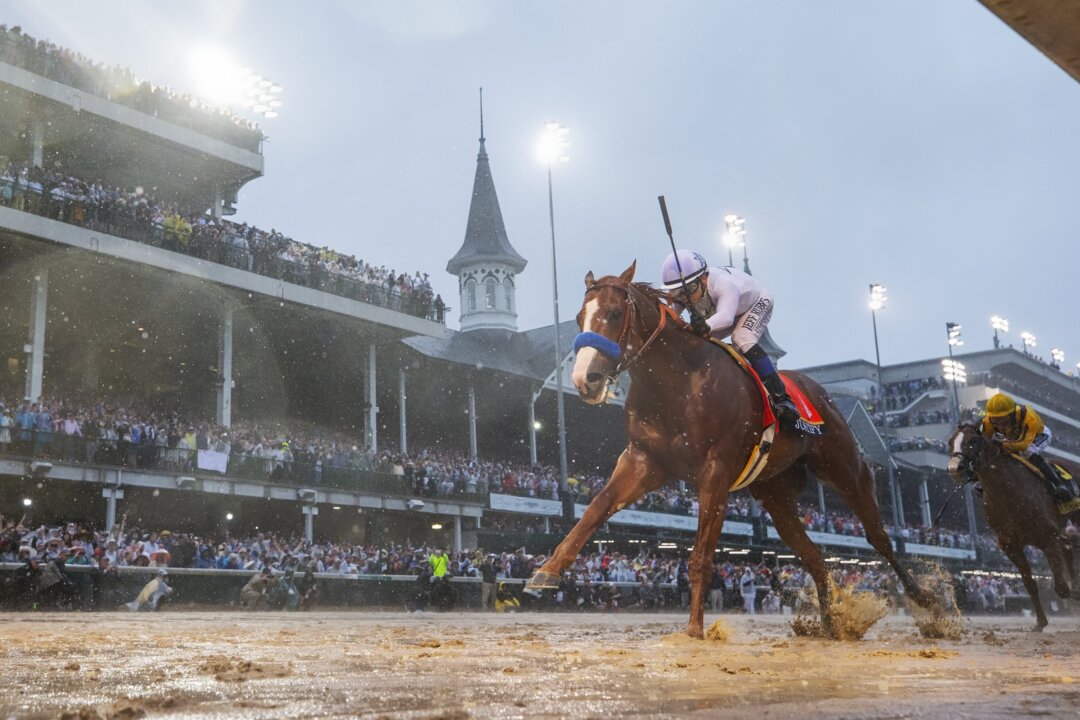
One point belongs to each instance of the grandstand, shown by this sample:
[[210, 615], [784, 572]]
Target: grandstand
[[227, 379]]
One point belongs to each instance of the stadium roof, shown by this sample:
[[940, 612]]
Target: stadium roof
[[525, 354], [485, 233], [1052, 26]]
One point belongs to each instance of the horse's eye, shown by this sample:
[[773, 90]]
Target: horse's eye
[[616, 315]]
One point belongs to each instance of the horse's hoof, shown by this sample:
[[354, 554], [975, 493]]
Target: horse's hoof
[[542, 581], [696, 633], [1039, 627]]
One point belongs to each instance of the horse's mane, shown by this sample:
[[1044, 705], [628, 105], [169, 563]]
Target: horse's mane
[[654, 294]]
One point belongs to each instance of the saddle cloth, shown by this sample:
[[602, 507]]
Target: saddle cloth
[[810, 420]]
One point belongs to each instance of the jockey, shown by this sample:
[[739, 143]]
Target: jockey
[[1021, 431], [724, 301]]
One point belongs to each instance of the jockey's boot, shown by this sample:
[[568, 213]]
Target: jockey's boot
[[1057, 486], [763, 366], [782, 404]]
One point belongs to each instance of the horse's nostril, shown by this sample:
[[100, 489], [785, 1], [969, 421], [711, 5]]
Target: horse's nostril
[[593, 377]]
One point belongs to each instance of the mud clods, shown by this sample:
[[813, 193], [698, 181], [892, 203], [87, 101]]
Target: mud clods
[[942, 620], [852, 615], [718, 632]]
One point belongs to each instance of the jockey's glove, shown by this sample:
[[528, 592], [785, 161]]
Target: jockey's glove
[[699, 325]]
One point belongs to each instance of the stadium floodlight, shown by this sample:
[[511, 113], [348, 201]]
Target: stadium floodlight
[[1058, 354], [954, 371], [734, 235], [953, 331], [537, 425], [228, 516], [552, 149], [553, 143], [999, 324], [220, 81], [27, 502], [877, 297], [1029, 340], [436, 526]]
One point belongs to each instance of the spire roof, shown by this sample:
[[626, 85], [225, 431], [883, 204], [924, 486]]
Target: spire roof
[[485, 233]]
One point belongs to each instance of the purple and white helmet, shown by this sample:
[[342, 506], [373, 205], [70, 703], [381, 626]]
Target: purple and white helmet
[[691, 263]]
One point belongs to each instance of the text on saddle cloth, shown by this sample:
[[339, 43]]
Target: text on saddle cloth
[[1064, 508]]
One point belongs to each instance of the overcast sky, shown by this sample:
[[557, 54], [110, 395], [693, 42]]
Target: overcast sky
[[919, 144]]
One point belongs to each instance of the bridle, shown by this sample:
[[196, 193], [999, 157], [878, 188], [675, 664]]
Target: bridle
[[625, 360]]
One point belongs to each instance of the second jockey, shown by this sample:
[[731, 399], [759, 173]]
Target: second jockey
[[1021, 431], [724, 301]]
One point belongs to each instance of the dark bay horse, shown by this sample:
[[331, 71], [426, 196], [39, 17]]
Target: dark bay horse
[[1019, 509], [693, 413]]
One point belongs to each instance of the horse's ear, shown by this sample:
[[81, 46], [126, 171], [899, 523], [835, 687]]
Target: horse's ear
[[589, 280], [628, 273]]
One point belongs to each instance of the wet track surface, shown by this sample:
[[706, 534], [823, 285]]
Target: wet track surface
[[394, 665]]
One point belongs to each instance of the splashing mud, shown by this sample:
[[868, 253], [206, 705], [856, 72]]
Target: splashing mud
[[942, 620], [852, 614], [718, 632]]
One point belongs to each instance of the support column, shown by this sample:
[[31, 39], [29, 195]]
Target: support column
[[35, 346], [457, 533], [472, 421], [401, 412], [924, 503], [821, 496], [219, 202], [37, 143], [310, 511], [532, 427], [111, 495], [225, 368], [373, 408]]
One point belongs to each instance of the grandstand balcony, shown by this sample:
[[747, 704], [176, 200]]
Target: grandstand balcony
[[48, 123]]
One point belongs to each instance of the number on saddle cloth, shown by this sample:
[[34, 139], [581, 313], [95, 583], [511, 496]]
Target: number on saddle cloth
[[598, 342]]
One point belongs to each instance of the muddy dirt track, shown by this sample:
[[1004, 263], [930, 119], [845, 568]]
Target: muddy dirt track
[[349, 664]]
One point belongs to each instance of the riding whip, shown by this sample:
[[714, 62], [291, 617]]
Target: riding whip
[[945, 504], [678, 265]]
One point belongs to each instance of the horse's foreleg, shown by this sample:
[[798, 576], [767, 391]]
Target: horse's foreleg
[[1019, 559], [635, 474], [781, 505], [712, 504]]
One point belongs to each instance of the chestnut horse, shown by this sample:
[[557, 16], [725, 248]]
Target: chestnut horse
[[1019, 509], [693, 413]]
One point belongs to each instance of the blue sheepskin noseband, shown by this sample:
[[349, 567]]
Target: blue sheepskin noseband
[[608, 348]]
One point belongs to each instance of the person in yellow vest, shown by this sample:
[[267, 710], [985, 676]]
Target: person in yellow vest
[[440, 562], [1021, 431], [505, 600]]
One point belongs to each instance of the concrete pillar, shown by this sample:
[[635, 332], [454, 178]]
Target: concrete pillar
[[225, 369], [547, 525], [457, 534], [472, 421], [111, 495], [924, 503], [37, 143], [821, 496], [219, 202], [35, 346], [402, 429], [371, 397], [310, 511], [532, 428]]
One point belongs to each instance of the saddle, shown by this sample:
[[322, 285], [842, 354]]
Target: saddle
[[1064, 508], [810, 421]]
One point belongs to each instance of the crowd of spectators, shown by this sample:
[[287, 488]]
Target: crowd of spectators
[[601, 579], [899, 395], [120, 85], [135, 214], [95, 431]]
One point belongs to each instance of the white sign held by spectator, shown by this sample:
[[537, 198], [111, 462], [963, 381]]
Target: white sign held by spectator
[[213, 461]]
